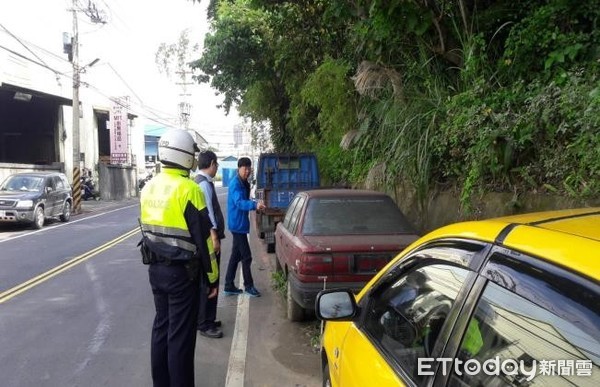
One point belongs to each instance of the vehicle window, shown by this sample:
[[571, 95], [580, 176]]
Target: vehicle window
[[65, 181], [288, 213], [22, 183], [58, 183], [354, 215], [296, 215], [408, 314], [50, 182], [553, 335]]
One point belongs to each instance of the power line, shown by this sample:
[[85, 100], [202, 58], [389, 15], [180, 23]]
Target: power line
[[56, 56], [158, 121], [33, 61], [124, 82], [91, 10], [43, 64], [87, 84], [142, 106], [24, 45], [91, 23], [112, 12]]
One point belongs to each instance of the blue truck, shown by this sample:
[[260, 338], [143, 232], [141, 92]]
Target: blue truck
[[279, 177]]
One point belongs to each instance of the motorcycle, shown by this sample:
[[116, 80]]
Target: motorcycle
[[87, 188]]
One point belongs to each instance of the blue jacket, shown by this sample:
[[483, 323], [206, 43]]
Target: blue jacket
[[239, 206]]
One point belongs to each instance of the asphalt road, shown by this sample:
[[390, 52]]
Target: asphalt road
[[76, 310]]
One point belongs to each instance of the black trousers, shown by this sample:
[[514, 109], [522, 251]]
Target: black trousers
[[240, 252], [208, 306], [174, 331]]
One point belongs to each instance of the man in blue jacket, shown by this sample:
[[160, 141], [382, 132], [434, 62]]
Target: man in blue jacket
[[239, 206]]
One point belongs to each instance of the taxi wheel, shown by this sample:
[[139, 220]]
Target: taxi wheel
[[278, 267], [294, 311], [326, 376], [38, 218]]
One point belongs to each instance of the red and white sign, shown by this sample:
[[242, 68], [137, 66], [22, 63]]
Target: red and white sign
[[119, 131]]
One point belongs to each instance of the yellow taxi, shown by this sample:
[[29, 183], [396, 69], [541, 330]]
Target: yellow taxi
[[512, 301]]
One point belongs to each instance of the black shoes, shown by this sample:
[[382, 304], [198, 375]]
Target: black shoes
[[213, 333]]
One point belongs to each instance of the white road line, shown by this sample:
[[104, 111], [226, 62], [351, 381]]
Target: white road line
[[237, 354], [64, 224]]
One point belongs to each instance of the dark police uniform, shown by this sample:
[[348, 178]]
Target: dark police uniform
[[176, 230], [208, 306]]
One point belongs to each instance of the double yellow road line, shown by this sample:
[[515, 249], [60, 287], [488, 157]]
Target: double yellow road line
[[10, 293]]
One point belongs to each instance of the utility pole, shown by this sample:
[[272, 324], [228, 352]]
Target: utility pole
[[185, 107], [176, 55], [76, 152], [96, 16]]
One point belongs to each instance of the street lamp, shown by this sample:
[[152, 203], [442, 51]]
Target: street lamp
[[84, 68]]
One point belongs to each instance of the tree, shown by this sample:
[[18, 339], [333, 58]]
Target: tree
[[438, 91], [174, 58], [258, 56]]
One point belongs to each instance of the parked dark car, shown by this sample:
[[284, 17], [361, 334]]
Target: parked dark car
[[336, 238], [34, 196]]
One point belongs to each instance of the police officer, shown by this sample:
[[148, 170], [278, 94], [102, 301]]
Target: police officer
[[178, 247]]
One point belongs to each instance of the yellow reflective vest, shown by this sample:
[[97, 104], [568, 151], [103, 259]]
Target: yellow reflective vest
[[175, 219]]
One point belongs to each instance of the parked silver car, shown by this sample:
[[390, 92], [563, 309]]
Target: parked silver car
[[32, 197]]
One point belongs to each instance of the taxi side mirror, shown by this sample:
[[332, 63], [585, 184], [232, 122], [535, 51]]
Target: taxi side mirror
[[336, 305]]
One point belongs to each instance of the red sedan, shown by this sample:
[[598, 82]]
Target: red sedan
[[333, 238]]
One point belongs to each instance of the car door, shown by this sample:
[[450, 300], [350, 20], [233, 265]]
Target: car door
[[295, 249], [289, 246], [535, 324], [282, 233], [61, 194], [51, 197], [406, 316]]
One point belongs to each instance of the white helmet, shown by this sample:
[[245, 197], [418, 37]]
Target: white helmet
[[176, 147]]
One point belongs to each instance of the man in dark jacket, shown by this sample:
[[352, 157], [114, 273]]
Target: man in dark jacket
[[208, 165], [239, 206]]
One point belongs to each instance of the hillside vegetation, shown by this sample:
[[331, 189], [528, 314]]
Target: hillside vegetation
[[475, 95]]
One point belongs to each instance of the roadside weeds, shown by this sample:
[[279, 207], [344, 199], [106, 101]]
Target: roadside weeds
[[312, 328]]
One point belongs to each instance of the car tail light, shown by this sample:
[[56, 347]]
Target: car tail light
[[315, 264], [370, 263]]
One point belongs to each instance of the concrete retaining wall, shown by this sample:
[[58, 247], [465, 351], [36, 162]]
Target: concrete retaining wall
[[442, 207], [117, 182]]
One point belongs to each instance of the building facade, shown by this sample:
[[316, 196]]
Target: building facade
[[36, 117]]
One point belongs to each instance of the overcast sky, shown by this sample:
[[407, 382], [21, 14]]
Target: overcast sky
[[127, 43]]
